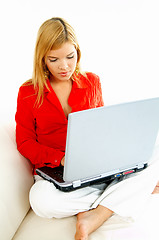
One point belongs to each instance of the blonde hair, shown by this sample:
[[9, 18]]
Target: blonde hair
[[51, 35]]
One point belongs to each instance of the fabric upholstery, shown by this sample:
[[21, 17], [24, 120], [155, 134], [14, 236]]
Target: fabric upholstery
[[16, 180]]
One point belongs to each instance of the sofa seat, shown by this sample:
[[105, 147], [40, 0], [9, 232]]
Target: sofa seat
[[34, 227]]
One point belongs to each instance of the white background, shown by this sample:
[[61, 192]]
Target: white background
[[119, 40]]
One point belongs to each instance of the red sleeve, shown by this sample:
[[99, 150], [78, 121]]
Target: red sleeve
[[27, 144]]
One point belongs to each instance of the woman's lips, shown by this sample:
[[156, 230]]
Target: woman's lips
[[63, 74]]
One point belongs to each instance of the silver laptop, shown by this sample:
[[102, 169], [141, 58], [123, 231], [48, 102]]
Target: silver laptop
[[106, 143]]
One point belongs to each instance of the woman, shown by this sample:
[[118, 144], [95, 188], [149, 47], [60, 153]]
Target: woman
[[56, 89]]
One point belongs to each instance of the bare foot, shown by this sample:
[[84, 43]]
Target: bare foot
[[88, 222], [156, 190]]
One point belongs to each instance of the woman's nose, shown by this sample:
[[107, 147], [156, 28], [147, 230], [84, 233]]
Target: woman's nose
[[63, 65]]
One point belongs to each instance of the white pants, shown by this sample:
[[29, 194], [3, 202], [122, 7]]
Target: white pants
[[127, 198]]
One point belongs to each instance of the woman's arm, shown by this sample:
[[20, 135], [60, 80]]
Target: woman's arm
[[38, 154]]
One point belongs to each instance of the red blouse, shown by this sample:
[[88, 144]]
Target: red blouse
[[41, 131]]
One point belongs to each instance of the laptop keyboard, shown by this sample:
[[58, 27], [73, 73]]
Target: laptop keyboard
[[56, 173]]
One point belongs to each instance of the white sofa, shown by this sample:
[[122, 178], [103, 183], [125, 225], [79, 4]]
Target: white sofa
[[18, 221]]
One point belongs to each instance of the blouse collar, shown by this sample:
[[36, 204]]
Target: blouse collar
[[79, 81]]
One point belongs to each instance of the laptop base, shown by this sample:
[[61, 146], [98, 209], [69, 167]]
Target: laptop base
[[55, 176]]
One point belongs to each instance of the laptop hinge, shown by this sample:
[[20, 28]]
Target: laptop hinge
[[77, 183]]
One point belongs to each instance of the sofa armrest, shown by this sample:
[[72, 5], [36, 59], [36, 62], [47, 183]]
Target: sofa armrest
[[15, 182]]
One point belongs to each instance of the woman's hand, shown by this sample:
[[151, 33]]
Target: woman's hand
[[63, 161]]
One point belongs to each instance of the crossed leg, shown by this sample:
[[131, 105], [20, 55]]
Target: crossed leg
[[89, 221]]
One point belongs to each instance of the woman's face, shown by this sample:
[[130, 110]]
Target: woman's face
[[62, 62]]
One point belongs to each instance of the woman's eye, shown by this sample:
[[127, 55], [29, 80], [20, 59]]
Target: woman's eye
[[70, 57], [53, 60]]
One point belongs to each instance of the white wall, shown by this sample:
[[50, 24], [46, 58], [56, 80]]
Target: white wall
[[119, 40]]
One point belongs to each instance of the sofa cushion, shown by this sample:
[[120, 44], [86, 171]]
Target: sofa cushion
[[15, 180], [37, 228]]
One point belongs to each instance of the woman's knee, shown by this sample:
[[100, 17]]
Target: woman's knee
[[44, 199]]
